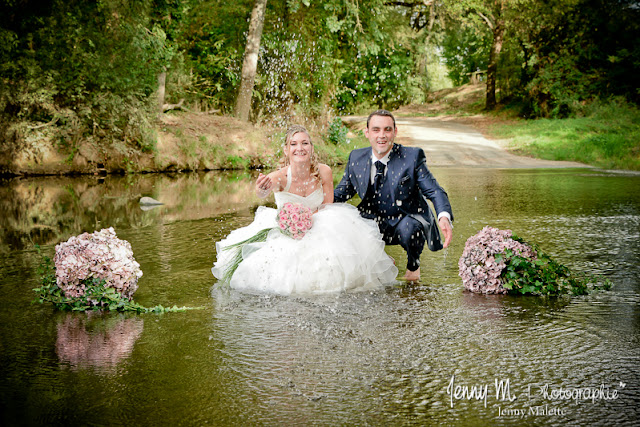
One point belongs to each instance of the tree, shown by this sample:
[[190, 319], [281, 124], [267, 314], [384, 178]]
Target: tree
[[495, 22], [577, 51], [462, 21], [250, 64], [213, 42], [315, 58], [320, 57], [166, 21], [464, 51], [482, 15], [96, 83]]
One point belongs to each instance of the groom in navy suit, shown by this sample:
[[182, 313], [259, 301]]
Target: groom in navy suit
[[393, 181]]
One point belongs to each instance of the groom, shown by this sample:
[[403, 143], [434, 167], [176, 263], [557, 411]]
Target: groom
[[391, 180]]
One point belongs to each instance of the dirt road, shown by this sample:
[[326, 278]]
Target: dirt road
[[448, 143]]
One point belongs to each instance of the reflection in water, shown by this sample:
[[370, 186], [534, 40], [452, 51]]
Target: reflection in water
[[47, 210], [504, 308], [96, 340], [369, 358]]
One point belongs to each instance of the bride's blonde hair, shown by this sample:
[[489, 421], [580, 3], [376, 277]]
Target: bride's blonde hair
[[284, 161]]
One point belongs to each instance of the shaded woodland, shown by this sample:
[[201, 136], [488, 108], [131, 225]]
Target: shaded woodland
[[103, 70]]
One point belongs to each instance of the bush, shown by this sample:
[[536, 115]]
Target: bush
[[337, 132], [97, 81]]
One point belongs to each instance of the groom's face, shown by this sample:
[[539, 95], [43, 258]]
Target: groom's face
[[381, 132]]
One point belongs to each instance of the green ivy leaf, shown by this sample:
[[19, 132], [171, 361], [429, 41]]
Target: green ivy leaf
[[98, 296]]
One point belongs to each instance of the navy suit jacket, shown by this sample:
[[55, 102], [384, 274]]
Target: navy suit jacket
[[407, 183]]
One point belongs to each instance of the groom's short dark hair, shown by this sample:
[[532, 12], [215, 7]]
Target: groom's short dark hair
[[383, 113]]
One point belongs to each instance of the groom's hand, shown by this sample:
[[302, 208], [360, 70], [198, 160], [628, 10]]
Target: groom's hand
[[447, 230]]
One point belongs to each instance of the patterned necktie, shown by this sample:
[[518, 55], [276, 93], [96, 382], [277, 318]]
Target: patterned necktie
[[377, 182]]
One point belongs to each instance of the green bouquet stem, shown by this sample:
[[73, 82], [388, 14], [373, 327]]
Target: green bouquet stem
[[260, 236], [545, 276]]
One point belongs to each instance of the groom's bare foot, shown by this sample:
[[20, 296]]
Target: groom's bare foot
[[412, 276]]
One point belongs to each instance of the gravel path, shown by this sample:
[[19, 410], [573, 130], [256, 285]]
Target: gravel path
[[447, 143]]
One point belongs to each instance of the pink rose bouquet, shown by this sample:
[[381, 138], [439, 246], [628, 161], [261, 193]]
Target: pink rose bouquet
[[294, 220]]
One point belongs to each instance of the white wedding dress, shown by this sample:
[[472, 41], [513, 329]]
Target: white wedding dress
[[341, 252]]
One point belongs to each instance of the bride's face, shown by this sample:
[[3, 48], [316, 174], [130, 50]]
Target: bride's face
[[300, 148]]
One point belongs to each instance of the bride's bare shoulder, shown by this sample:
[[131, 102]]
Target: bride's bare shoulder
[[324, 169]]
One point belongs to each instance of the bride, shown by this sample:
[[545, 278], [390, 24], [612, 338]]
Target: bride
[[341, 251]]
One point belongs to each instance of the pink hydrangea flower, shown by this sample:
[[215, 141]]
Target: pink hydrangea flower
[[478, 268], [98, 255]]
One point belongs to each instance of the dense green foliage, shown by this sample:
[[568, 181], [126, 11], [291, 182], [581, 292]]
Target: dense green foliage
[[88, 70], [555, 55], [544, 275], [584, 50], [334, 55], [213, 44], [465, 51]]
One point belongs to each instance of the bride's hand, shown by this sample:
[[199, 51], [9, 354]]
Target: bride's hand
[[263, 186]]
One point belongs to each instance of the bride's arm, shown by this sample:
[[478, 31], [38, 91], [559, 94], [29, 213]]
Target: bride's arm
[[327, 183], [266, 183]]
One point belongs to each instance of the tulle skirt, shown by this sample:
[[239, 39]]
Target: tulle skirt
[[341, 252]]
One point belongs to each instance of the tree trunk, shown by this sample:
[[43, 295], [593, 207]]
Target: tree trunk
[[250, 64], [494, 54], [492, 69], [162, 81]]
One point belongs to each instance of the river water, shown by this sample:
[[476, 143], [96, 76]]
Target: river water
[[401, 356]]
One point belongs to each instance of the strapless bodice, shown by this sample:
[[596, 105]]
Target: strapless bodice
[[312, 201]]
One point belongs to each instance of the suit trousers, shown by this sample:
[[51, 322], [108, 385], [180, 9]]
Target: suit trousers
[[409, 234]]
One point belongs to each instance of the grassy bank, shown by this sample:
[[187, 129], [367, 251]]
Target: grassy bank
[[608, 136], [182, 141]]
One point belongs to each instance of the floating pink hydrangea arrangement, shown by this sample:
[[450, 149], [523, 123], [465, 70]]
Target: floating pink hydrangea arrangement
[[496, 261], [99, 255], [478, 267], [94, 271]]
